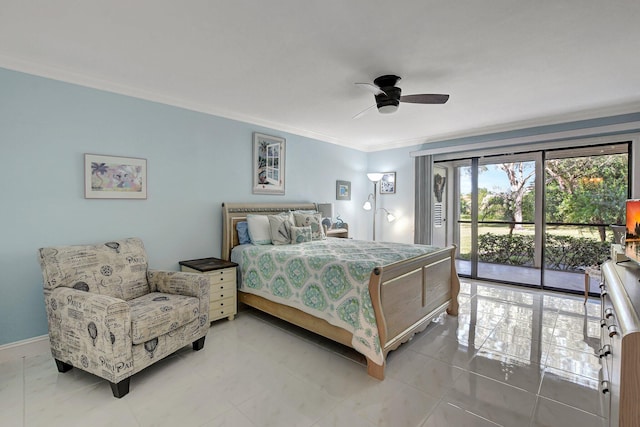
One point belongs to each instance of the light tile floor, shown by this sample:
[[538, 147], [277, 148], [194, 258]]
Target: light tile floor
[[513, 357]]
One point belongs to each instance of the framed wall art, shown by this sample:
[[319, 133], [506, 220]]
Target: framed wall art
[[113, 177], [268, 164], [343, 190], [388, 183]]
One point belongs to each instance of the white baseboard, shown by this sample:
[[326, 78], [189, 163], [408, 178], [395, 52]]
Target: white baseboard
[[24, 348]]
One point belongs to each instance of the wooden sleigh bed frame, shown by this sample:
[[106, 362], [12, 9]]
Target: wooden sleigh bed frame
[[406, 295]]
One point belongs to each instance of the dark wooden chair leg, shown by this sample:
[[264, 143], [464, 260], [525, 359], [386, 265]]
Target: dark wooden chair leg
[[120, 389], [197, 345], [63, 367]]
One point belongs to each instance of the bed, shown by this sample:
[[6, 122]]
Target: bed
[[399, 294]]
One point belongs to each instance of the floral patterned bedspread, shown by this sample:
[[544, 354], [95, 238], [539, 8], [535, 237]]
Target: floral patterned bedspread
[[327, 278]]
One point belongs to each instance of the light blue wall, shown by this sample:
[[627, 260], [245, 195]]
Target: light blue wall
[[195, 163], [401, 203]]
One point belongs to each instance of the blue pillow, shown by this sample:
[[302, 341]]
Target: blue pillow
[[243, 232]]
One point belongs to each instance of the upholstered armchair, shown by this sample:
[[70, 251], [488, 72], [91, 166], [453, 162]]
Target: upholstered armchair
[[111, 316]]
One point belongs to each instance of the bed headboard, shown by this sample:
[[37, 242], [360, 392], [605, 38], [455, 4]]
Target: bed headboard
[[232, 213]]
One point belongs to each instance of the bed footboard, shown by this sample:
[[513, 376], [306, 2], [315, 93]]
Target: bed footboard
[[408, 295]]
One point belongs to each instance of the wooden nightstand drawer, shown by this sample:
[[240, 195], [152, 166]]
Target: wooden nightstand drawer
[[225, 275], [223, 286], [222, 312], [222, 303], [222, 277], [216, 295]]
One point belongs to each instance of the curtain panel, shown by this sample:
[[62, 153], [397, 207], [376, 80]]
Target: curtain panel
[[423, 196]]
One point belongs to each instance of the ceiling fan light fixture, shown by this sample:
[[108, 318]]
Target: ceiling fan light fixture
[[388, 109]]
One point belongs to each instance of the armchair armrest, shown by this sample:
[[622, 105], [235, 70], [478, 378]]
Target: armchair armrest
[[179, 283], [90, 331]]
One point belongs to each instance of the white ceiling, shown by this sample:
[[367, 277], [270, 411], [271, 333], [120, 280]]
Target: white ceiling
[[291, 64]]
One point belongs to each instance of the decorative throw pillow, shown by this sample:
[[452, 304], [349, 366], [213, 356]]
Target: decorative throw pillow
[[300, 235], [311, 220], [259, 229], [243, 232], [280, 229]]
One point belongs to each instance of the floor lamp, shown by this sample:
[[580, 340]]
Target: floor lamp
[[374, 177]]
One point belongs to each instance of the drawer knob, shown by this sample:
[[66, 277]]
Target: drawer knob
[[603, 323], [604, 293], [608, 313], [604, 386], [613, 331], [604, 351]]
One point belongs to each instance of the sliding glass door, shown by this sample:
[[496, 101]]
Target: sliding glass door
[[585, 189], [538, 218], [497, 219]]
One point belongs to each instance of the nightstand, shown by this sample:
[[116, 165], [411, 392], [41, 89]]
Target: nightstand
[[342, 232], [222, 295]]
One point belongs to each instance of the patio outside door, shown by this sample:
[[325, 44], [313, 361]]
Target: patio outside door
[[539, 218], [497, 232]]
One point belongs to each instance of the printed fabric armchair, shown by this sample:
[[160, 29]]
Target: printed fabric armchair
[[111, 316]]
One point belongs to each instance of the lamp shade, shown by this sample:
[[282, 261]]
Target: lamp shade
[[366, 206], [375, 176]]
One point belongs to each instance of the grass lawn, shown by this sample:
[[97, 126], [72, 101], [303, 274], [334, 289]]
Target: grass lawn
[[573, 231]]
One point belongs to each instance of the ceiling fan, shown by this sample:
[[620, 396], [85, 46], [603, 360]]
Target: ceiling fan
[[388, 95]]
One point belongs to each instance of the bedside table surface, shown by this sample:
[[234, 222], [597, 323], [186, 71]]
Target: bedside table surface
[[208, 264]]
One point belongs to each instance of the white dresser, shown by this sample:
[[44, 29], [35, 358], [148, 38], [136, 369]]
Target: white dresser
[[222, 296], [620, 339]]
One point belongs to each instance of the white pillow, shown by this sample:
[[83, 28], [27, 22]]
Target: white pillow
[[259, 229]]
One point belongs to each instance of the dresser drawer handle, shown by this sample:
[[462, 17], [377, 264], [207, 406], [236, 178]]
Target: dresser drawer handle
[[603, 323], [608, 313], [604, 292], [601, 285], [604, 351], [604, 386], [613, 331]]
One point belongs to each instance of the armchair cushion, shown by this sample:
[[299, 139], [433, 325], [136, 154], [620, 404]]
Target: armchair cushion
[[158, 313], [117, 268]]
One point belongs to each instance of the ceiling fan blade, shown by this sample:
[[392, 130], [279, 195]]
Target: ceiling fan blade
[[371, 88], [361, 113], [425, 98]]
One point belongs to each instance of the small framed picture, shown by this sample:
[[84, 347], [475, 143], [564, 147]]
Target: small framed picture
[[343, 190], [388, 183], [111, 177], [268, 164]]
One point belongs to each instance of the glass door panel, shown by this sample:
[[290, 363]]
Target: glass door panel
[[506, 215], [586, 189], [463, 235]]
